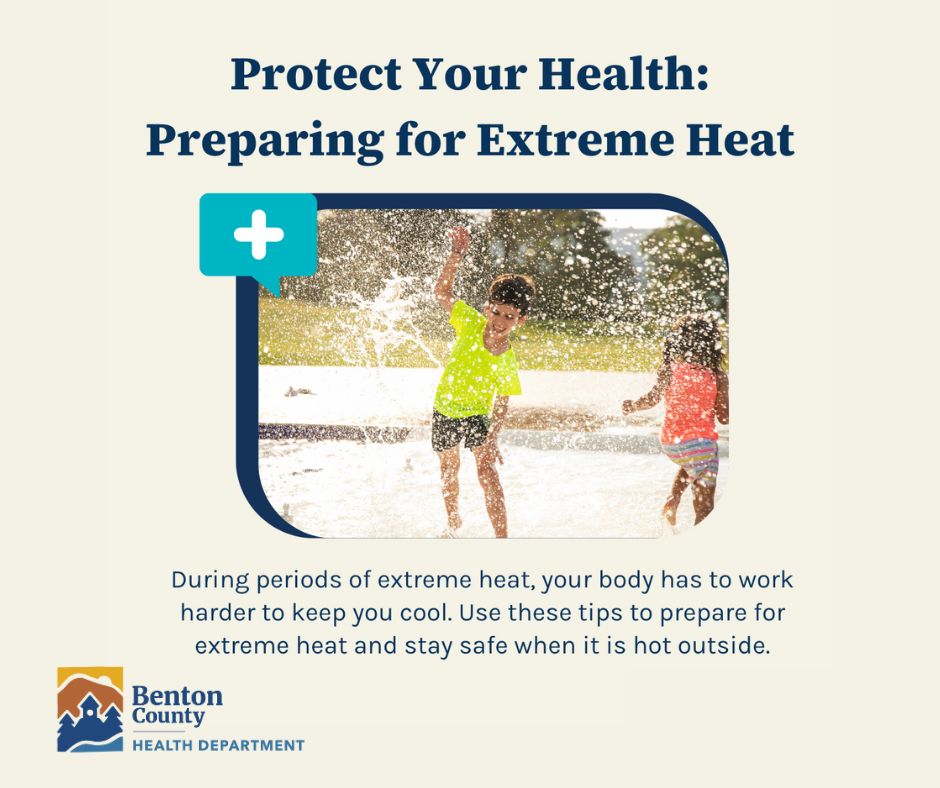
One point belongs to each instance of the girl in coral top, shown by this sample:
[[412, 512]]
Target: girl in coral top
[[692, 381]]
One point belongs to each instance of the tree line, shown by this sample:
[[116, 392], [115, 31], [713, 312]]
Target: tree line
[[569, 253]]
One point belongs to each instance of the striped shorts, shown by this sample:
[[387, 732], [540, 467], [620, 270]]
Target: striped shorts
[[698, 457]]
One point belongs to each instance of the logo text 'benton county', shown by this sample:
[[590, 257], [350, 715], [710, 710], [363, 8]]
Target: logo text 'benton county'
[[181, 697]]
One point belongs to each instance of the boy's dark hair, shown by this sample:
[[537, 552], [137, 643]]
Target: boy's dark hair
[[695, 339], [514, 289]]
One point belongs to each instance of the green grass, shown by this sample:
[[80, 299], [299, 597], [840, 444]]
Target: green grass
[[301, 333]]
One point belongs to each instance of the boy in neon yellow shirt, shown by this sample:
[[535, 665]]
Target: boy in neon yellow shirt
[[473, 396]]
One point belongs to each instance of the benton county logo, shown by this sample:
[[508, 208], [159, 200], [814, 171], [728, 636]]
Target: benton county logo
[[91, 701]]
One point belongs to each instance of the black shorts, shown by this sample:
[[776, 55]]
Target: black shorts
[[447, 432]]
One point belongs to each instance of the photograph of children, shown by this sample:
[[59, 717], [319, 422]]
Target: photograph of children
[[498, 373]]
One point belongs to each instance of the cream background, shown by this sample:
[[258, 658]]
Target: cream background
[[120, 395]]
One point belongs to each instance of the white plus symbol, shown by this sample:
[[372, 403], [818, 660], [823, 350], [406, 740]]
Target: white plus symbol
[[258, 235]]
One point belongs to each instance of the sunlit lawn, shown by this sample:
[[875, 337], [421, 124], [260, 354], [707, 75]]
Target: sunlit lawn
[[300, 333]]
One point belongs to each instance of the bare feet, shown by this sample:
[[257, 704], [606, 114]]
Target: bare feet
[[669, 510], [449, 531]]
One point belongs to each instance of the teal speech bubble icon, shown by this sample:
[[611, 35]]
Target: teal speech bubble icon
[[265, 236]]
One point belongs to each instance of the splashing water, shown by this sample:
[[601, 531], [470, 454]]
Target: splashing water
[[388, 314], [390, 325]]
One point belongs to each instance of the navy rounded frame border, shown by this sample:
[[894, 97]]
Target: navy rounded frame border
[[246, 305]]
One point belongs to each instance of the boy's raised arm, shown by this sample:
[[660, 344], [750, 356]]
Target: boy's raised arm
[[460, 238]]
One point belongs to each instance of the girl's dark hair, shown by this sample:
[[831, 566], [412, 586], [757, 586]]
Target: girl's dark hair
[[514, 289], [695, 339]]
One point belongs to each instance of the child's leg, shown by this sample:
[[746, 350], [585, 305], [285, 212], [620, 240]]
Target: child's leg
[[697, 459], [703, 489], [492, 490], [675, 495], [450, 483], [703, 499]]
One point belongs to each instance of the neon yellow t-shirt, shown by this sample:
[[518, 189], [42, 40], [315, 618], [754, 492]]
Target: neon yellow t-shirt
[[473, 375]]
